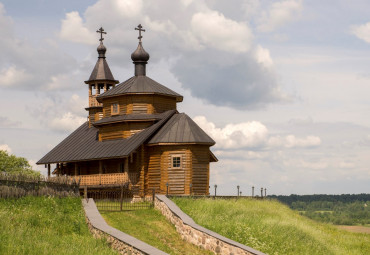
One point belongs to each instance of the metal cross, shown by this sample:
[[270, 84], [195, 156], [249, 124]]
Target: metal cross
[[139, 27], [101, 31]]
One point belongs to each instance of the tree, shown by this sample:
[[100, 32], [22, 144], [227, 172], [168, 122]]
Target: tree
[[16, 165]]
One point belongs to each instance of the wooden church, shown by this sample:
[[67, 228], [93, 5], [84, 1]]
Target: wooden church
[[134, 135]]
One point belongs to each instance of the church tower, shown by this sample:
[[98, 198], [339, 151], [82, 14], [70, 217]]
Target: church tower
[[100, 81]]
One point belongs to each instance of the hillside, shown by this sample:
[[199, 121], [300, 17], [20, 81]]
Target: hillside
[[46, 225], [272, 227]]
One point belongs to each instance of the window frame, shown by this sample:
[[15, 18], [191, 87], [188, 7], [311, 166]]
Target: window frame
[[172, 161], [112, 108]]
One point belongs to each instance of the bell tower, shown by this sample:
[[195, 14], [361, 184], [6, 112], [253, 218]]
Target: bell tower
[[101, 80]]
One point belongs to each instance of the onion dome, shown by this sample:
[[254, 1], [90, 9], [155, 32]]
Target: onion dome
[[140, 55], [101, 50]]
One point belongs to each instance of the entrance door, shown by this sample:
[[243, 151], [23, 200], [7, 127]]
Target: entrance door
[[176, 175]]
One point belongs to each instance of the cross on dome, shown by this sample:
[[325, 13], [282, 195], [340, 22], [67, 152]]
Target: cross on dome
[[139, 27], [101, 31]]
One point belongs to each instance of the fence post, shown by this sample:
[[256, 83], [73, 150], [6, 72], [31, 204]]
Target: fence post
[[238, 189], [167, 189], [252, 191], [153, 197], [261, 192], [215, 190], [121, 199], [85, 193]]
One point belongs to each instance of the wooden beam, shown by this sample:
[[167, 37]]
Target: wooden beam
[[48, 170], [126, 169], [58, 169]]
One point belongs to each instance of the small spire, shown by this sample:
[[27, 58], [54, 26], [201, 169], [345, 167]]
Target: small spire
[[101, 48], [101, 31], [140, 56], [139, 27]]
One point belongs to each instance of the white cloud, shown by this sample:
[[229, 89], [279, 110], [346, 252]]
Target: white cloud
[[5, 147], [362, 31], [263, 57], [73, 29], [213, 29], [128, 8], [252, 135], [290, 141], [279, 14], [13, 77], [66, 123], [232, 136]]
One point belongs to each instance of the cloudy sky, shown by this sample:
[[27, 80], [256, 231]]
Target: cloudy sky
[[282, 86]]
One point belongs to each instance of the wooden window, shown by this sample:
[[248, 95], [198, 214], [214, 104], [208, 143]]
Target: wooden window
[[115, 108], [176, 161]]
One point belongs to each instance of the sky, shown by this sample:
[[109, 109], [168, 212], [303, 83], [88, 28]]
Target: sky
[[283, 87]]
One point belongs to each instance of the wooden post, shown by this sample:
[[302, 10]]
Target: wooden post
[[76, 169], [48, 170], [142, 170], [153, 197], [126, 166], [121, 200], [58, 169], [85, 193], [97, 89]]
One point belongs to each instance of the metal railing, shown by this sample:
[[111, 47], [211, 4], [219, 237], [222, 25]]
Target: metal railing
[[119, 199]]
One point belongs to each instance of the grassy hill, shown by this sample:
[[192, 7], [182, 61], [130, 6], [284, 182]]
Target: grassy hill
[[272, 227], [45, 225]]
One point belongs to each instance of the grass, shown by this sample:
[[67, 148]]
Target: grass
[[272, 227], [151, 226], [45, 225]]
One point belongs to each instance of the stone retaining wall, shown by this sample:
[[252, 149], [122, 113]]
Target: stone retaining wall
[[120, 241], [200, 236]]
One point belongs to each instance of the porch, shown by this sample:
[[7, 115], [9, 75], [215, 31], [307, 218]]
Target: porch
[[112, 179]]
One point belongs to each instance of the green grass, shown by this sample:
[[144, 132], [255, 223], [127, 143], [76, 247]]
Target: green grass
[[45, 225], [151, 226], [272, 227]]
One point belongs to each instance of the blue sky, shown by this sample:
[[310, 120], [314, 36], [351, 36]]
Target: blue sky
[[282, 86]]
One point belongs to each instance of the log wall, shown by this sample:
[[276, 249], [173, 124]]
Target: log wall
[[121, 130], [194, 170], [137, 104]]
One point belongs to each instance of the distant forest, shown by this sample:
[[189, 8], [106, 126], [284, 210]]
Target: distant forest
[[345, 209]]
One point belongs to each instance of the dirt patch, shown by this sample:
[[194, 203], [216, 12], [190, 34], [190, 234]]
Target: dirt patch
[[356, 229]]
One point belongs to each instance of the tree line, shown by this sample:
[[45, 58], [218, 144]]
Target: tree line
[[345, 209]]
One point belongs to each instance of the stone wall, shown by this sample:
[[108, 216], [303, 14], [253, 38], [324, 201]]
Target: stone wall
[[120, 241], [200, 236]]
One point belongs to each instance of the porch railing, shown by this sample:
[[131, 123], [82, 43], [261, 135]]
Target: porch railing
[[106, 179]]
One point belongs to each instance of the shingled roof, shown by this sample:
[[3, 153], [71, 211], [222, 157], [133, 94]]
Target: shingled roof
[[83, 144], [181, 129], [143, 85], [101, 71]]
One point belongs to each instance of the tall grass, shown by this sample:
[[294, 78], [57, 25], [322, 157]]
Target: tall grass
[[150, 226], [46, 225], [272, 227]]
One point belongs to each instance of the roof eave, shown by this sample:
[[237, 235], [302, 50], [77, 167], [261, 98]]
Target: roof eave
[[101, 80], [102, 96]]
